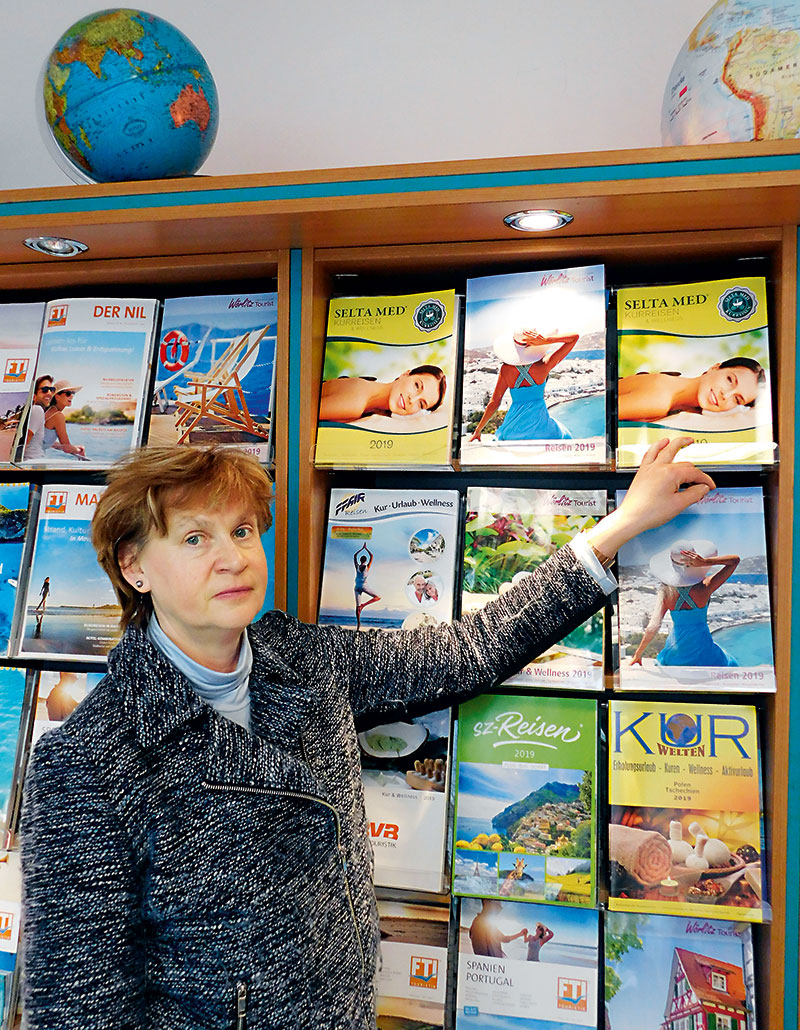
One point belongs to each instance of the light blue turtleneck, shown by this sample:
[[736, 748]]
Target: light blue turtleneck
[[226, 692]]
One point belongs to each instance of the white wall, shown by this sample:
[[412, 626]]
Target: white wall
[[315, 83]]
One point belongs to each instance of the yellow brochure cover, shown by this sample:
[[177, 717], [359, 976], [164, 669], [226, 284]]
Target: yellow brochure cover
[[388, 382], [694, 361], [685, 833]]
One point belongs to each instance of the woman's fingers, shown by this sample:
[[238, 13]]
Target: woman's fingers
[[653, 451]]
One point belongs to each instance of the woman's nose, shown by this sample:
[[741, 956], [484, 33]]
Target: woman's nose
[[230, 555]]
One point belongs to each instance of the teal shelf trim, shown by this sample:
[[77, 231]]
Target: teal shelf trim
[[293, 484], [790, 984], [409, 184]]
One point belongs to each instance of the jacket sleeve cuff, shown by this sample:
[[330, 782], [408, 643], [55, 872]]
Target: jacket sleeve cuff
[[604, 578]]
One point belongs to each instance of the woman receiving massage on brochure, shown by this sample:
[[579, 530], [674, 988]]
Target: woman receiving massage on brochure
[[194, 843]]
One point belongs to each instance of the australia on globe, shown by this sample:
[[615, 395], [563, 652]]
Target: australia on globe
[[737, 77], [128, 96]]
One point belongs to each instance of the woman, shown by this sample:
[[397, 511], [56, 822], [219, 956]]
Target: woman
[[728, 384], [195, 847], [352, 397], [362, 565], [536, 941], [55, 424], [527, 417], [687, 586]]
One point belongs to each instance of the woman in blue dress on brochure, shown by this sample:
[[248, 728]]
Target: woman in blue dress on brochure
[[527, 417], [687, 585]]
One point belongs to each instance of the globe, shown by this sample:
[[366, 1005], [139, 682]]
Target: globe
[[680, 730], [128, 96], [737, 77]]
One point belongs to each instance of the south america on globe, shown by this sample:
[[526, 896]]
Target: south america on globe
[[128, 96], [737, 77]]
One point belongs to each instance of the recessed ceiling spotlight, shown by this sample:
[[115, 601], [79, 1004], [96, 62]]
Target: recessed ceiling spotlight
[[55, 246], [542, 220]]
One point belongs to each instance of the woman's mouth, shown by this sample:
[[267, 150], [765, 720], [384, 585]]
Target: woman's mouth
[[713, 398]]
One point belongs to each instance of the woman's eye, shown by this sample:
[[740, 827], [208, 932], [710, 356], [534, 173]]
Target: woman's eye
[[193, 539], [241, 532]]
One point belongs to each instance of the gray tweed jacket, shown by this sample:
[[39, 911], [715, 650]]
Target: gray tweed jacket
[[181, 873]]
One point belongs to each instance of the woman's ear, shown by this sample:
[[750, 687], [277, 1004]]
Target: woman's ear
[[131, 569]]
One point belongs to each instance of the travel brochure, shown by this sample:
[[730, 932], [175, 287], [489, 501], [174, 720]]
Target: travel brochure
[[58, 694], [10, 913], [694, 361], [388, 382], [534, 378], [20, 327], [12, 705], [97, 353], [526, 804], [509, 532], [14, 503], [215, 372], [686, 835], [526, 967], [694, 608], [71, 609], [411, 985], [699, 972]]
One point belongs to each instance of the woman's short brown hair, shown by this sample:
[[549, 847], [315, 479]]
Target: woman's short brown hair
[[149, 483]]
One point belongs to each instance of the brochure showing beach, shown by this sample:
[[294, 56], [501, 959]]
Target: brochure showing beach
[[215, 372], [508, 534], [14, 502], [12, 697], [97, 351], [686, 832], [411, 985], [698, 972], [71, 610], [694, 361], [388, 382], [694, 608], [526, 967], [390, 560], [58, 694], [20, 327], [526, 817], [534, 381]]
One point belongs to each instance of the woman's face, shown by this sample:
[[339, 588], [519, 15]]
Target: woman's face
[[207, 577], [412, 393], [722, 389], [64, 399]]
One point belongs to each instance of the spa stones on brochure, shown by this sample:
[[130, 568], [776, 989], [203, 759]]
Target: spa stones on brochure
[[390, 564], [694, 361], [71, 610], [388, 382], [694, 608], [699, 972], [215, 372], [508, 534], [97, 351], [526, 967], [411, 984], [526, 815], [534, 380], [686, 832], [20, 327]]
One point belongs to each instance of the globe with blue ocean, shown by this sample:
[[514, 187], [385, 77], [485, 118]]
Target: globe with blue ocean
[[126, 96]]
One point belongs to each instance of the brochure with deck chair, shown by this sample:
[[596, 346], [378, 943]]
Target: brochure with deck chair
[[526, 808], [71, 612], [526, 967], [97, 351], [694, 608], [508, 534], [674, 972], [20, 328], [686, 833], [390, 559], [215, 372], [411, 985], [388, 382], [534, 384], [694, 361]]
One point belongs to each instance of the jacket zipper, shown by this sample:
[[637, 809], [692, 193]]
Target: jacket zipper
[[246, 789], [241, 1005]]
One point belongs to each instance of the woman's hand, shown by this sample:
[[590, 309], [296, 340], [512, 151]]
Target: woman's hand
[[661, 489], [527, 337], [476, 436]]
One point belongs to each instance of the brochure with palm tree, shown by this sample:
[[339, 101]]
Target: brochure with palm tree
[[215, 372], [699, 972], [508, 534], [525, 821]]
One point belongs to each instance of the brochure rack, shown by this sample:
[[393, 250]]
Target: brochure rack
[[647, 215]]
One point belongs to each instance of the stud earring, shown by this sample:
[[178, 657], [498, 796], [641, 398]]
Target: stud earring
[[139, 584]]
